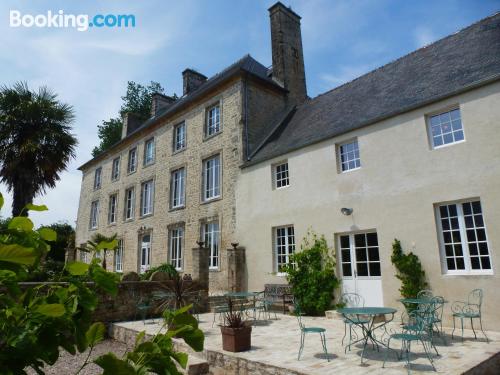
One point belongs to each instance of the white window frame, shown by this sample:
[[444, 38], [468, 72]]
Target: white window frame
[[118, 263], [281, 176], [180, 144], [115, 169], [211, 238], [178, 188], [147, 262], [212, 122], [94, 215], [84, 256], [288, 246], [98, 178], [129, 210], [147, 198], [463, 240], [132, 160], [177, 247], [149, 153], [353, 256], [341, 153], [113, 208], [212, 178], [437, 115]]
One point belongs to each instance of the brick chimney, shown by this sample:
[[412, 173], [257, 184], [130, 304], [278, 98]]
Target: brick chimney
[[131, 121], [288, 58], [192, 80], [159, 102]]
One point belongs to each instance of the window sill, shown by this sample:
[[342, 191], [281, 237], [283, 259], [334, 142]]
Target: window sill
[[281, 274], [112, 224], [146, 216], [177, 208], [282, 187], [179, 151], [211, 200], [115, 179], [208, 137], [148, 165], [213, 269], [97, 188], [447, 145], [128, 220], [350, 170], [131, 172], [468, 273]]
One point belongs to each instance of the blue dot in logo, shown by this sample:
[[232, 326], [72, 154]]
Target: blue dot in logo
[[91, 24]]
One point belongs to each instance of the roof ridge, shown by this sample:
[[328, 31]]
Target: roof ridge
[[408, 54]]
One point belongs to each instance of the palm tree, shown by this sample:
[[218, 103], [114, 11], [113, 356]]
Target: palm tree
[[98, 243], [35, 141]]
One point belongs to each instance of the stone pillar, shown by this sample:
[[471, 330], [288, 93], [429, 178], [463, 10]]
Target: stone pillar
[[236, 265], [200, 258]]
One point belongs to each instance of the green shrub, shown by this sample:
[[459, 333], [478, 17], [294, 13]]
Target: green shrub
[[409, 271], [311, 274]]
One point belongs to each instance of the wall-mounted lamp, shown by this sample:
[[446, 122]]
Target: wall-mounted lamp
[[346, 211]]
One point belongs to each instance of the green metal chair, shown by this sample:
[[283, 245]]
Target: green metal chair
[[264, 305], [437, 317], [425, 293], [469, 310], [352, 300], [415, 330], [305, 330]]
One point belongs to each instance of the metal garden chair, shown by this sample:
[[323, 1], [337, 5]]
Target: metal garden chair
[[415, 330], [305, 330], [353, 300], [469, 310], [425, 293]]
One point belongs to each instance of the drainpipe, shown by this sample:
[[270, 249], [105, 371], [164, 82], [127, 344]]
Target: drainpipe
[[245, 84]]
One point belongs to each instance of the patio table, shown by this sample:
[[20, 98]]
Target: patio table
[[252, 295], [368, 329]]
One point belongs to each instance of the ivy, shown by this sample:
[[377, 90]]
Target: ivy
[[409, 271], [311, 273]]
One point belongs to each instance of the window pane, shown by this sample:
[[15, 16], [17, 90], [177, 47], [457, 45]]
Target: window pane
[[362, 269], [349, 156], [346, 269], [375, 269], [446, 128]]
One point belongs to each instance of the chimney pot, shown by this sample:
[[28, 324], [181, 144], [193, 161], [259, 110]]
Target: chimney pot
[[192, 80]]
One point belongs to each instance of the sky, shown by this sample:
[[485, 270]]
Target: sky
[[90, 69]]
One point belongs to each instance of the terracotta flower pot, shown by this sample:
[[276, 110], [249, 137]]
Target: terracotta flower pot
[[236, 339]]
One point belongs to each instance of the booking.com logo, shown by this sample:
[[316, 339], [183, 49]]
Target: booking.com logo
[[81, 22]]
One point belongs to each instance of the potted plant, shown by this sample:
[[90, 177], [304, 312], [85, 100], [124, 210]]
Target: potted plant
[[236, 333]]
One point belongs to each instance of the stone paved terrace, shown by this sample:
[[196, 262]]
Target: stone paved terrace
[[275, 344]]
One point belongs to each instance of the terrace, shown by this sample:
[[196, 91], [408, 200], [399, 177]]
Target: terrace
[[275, 345]]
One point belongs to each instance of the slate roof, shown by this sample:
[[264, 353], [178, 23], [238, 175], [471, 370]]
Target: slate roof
[[456, 63], [247, 64]]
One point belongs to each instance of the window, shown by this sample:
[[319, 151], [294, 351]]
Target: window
[[177, 188], [129, 203], [132, 160], [149, 151], [145, 253], [349, 156], [176, 245], [98, 178], [284, 246], [147, 196], [211, 238], [446, 128], [211, 178], [119, 257], [464, 245], [94, 214], [281, 175], [112, 209], [179, 136], [359, 255], [84, 256], [115, 169], [212, 125]]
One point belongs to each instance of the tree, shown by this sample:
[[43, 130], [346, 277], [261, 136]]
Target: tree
[[137, 100], [35, 142], [101, 243], [65, 235]]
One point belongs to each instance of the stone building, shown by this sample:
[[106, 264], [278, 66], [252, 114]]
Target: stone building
[[170, 181]]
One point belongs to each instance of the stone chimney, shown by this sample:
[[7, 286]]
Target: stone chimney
[[159, 102], [288, 58], [131, 121], [192, 80]]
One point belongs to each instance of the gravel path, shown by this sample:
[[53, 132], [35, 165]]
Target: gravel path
[[68, 364]]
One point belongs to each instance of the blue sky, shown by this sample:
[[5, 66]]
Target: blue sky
[[341, 39]]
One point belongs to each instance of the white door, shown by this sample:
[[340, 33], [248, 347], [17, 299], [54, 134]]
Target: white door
[[360, 267], [145, 253]]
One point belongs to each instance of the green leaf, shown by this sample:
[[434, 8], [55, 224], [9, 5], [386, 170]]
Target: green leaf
[[21, 223], [107, 245], [17, 254], [53, 310], [34, 207], [47, 234], [181, 358], [104, 280], [1, 200], [113, 365], [77, 268], [95, 334], [139, 337], [194, 338]]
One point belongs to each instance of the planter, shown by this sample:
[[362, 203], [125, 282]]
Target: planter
[[236, 339]]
